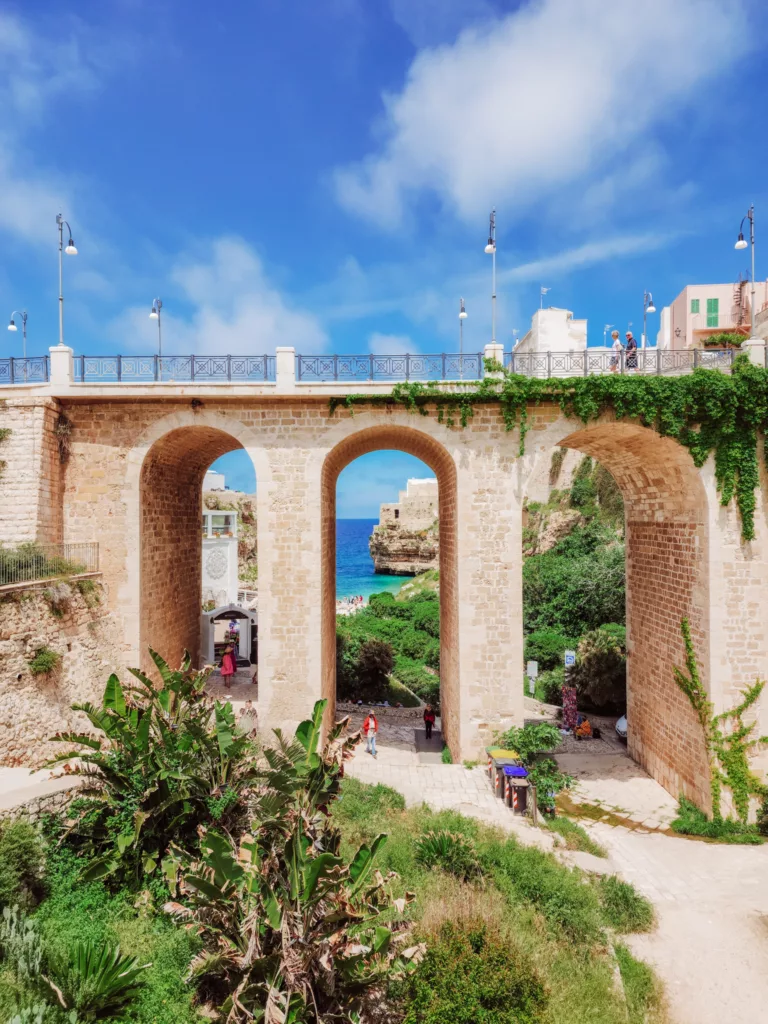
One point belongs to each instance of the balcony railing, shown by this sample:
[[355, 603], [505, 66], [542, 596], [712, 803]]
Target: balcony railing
[[24, 371], [720, 321], [400, 367], [32, 562], [668, 362], [172, 369]]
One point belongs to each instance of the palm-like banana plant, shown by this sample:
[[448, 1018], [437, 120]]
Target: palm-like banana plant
[[169, 760], [291, 929]]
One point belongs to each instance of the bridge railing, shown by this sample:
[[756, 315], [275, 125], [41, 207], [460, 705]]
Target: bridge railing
[[666, 362], [438, 367], [34, 370], [170, 369]]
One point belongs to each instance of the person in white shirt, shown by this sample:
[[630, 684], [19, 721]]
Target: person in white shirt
[[617, 349]]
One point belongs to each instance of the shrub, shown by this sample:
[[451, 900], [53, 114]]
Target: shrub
[[44, 661], [549, 781], [414, 644], [446, 755], [474, 976], [164, 756], [426, 616], [600, 675], [451, 852], [286, 921], [623, 908], [547, 646], [21, 865], [574, 594], [374, 664], [531, 739], [550, 685], [583, 493], [97, 981], [691, 821]]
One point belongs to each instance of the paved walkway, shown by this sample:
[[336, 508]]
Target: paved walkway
[[711, 944]]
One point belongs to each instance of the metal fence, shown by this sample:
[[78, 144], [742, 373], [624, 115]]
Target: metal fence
[[24, 371], [667, 362], [33, 561], [442, 366], [173, 369]]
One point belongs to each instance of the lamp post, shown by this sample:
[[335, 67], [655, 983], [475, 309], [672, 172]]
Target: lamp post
[[648, 307], [70, 250], [462, 318], [490, 249], [155, 314], [605, 334], [741, 243], [12, 327]]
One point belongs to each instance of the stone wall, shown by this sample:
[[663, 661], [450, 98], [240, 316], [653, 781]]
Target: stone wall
[[33, 708], [31, 479]]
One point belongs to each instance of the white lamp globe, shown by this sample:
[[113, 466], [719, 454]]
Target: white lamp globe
[[12, 326], [741, 242]]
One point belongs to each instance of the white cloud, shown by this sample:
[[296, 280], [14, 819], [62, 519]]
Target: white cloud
[[587, 255], [427, 22], [391, 344], [545, 97], [236, 309]]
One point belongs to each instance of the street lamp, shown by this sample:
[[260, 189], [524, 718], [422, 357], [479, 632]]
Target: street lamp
[[462, 318], [741, 243], [605, 334], [490, 250], [12, 327], [648, 307], [155, 314], [70, 250]]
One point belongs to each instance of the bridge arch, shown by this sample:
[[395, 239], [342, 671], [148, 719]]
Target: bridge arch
[[425, 447], [667, 579], [162, 593]]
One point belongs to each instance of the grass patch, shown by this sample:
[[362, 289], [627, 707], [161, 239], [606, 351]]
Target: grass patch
[[691, 821], [575, 836], [623, 908], [552, 918], [398, 693], [446, 755], [645, 1000], [44, 661]]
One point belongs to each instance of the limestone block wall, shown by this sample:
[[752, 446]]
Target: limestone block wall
[[31, 479], [33, 708]]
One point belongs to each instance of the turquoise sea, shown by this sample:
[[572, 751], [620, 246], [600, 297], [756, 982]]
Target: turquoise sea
[[354, 565]]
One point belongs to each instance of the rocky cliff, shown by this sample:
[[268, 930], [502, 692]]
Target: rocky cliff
[[397, 551], [245, 506]]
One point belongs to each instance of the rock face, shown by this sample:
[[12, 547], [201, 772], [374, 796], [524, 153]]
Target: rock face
[[398, 551]]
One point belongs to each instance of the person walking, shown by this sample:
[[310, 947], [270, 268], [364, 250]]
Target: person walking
[[370, 728], [631, 351], [616, 349], [429, 720], [228, 663]]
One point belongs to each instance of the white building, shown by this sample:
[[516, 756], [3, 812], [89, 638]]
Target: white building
[[213, 481], [219, 557], [553, 330]]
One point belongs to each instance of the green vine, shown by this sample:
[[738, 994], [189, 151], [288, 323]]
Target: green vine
[[705, 411], [5, 433], [729, 741]]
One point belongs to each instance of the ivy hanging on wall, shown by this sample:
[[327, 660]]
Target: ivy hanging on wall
[[729, 740], [706, 411]]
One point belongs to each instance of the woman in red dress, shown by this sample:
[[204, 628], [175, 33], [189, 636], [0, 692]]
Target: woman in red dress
[[228, 663]]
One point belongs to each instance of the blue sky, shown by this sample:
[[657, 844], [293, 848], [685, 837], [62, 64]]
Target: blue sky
[[320, 173]]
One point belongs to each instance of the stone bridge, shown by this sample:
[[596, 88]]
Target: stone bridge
[[122, 464]]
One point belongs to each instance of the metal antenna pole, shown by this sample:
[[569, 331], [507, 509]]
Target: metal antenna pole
[[752, 240], [60, 222]]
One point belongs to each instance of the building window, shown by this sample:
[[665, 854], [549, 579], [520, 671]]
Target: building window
[[397, 513], [694, 305], [713, 312]]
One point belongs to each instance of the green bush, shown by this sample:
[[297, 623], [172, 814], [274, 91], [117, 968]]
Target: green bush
[[165, 758], [44, 661], [414, 644], [446, 757], [574, 594], [21, 865], [691, 821], [623, 908], [531, 739], [413, 675], [547, 646], [549, 685], [474, 977], [600, 675], [426, 616], [451, 852]]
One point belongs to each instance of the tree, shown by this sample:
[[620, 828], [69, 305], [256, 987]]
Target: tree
[[600, 674]]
